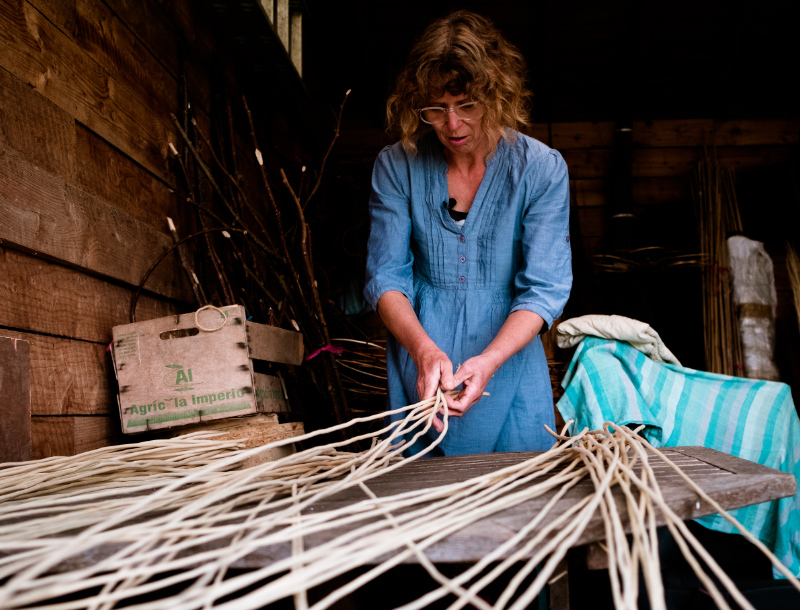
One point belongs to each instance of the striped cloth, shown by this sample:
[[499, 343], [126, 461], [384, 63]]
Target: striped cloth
[[756, 420]]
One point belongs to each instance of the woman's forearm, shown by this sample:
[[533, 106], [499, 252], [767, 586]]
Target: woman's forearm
[[433, 366], [400, 319], [520, 328]]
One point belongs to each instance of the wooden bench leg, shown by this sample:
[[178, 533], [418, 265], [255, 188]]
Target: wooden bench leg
[[558, 587]]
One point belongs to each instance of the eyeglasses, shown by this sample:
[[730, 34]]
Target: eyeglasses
[[436, 115]]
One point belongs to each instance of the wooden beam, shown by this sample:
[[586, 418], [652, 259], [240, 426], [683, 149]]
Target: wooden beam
[[35, 51], [671, 162], [54, 436], [296, 40], [36, 128], [15, 400], [44, 297], [583, 135], [103, 37], [282, 22], [103, 171], [679, 133], [68, 377], [41, 214]]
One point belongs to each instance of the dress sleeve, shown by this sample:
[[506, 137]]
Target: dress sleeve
[[544, 280], [389, 257]]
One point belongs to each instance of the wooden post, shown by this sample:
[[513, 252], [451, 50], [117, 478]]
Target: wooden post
[[282, 22], [269, 10], [558, 587], [15, 400], [296, 41]]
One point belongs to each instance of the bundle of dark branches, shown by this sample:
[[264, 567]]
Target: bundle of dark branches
[[255, 248]]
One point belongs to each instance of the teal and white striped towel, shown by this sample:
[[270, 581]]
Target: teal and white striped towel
[[755, 420]]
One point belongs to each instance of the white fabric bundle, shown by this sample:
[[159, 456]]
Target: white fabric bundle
[[619, 328]]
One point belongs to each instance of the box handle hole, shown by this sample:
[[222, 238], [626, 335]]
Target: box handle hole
[[179, 333]]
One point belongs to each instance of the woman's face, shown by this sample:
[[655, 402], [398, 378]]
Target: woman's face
[[458, 136]]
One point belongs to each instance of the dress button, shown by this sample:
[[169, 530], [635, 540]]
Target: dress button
[[462, 279], [463, 259], [462, 239]]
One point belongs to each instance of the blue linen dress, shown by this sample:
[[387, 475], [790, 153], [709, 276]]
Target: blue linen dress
[[512, 253]]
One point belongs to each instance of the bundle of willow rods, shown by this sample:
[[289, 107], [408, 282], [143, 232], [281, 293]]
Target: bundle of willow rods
[[652, 258], [717, 211], [167, 519], [362, 367]]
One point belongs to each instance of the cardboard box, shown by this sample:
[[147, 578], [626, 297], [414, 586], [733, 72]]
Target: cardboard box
[[178, 370]]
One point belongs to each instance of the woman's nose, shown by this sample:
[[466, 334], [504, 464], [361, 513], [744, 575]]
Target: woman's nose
[[453, 121]]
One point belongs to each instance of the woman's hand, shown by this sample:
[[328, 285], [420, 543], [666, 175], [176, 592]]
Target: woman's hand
[[475, 373], [518, 330], [433, 369]]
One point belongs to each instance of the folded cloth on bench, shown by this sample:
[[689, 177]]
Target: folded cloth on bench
[[755, 420], [640, 335]]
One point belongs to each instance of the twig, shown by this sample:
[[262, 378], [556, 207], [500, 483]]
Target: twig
[[275, 209], [207, 172], [328, 152], [164, 254], [190, 274]]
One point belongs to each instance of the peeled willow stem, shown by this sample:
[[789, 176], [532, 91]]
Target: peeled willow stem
[[175, 515]]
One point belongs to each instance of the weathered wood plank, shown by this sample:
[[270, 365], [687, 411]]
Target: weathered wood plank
[[152, 27], [15, 400], [679, 133], [274, 344], [646, 191], [36, 52], [670, 162], [662, 189], [708, 132], [592, 221], [588, 193], [99, 33], [583, 135], [159, 27], [41, 214], [104, 171], [734, 486], [36, 128], [587, 163], [40, 296], [54, 436], [68, 377], [538, 131]]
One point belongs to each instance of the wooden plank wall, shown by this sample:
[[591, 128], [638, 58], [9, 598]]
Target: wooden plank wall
[[86, 89]]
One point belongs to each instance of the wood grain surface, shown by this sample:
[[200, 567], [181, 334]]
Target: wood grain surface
[[731, 481], [36, 128], [104, 38], [71, 435], [45, 297], [68, 377], [15, 400], [274, 344], [678, 133], [102, 170], [41, 214], [38, 53]]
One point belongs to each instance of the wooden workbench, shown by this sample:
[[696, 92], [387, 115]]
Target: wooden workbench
[[730, 481]]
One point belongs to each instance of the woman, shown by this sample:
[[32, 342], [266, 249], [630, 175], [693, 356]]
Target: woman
[[469, 255]]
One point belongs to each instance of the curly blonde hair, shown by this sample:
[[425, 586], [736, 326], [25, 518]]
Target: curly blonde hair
[[460, 53]]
